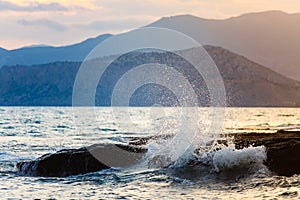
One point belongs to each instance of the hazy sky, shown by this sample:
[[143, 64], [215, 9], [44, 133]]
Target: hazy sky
[[61, 22]]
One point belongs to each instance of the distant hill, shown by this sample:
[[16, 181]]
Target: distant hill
[[246, 83], [45, 54], [269, 38], [2, 50], [250, 84]]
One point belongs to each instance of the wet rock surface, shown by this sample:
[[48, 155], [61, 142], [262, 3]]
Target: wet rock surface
[[81, 161], [283, 149], [283, 155]]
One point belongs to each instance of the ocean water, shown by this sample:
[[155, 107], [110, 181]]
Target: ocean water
[[29, 132]]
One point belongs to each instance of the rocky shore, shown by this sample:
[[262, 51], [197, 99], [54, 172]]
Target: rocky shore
[[283, 155]]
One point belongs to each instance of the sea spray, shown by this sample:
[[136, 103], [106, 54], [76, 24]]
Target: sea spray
[[217, 158], [228, 157], [183, 126], [218, 154]]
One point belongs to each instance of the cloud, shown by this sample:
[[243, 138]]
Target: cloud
[[45, 23], [34, 7], [109, 16]]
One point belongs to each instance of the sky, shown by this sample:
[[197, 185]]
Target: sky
[[63, 22]]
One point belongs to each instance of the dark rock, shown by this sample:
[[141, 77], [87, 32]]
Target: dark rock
[[283, 150], [80, 161]]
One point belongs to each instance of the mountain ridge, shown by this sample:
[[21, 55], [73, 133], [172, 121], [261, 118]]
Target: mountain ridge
[[269, 38], [247, 83], [47, 54]]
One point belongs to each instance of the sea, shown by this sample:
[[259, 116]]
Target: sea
[[27, 133]]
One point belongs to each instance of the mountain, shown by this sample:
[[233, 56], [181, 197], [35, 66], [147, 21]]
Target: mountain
[[250, 84], [2, 50], [246, 83], [46, 54], [270, 38]]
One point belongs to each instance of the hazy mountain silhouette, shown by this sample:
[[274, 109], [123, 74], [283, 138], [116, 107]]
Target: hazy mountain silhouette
[[269, 38], [2, 50], [46, 54], [246, 83]]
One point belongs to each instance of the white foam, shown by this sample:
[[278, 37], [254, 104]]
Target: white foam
[[219, 157], [165, 154], [228, 157], [194, 143]]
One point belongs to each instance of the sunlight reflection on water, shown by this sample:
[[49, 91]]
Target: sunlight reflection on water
[[26, 133]]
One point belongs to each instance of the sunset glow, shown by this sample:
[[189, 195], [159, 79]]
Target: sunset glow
[[31, 22], [82, 3]]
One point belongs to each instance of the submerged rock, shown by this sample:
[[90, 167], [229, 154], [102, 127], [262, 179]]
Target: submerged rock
[[283, 150]]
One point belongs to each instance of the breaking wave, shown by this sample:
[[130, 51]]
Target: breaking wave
[[216, 157]]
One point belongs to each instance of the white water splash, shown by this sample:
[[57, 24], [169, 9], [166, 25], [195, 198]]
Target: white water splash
[[228, 157], [218, 157]]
